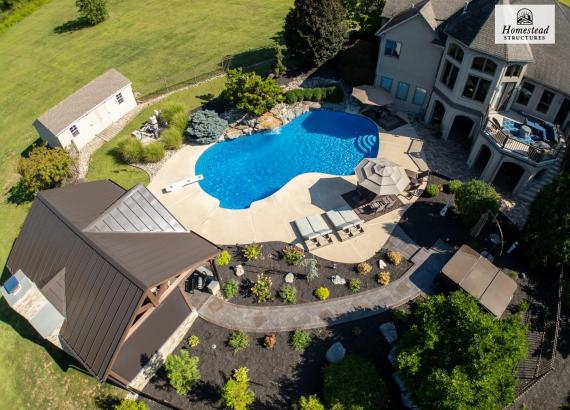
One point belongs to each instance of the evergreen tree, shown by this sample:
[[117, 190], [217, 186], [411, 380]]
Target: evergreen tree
[[93, 11], [315, 30]]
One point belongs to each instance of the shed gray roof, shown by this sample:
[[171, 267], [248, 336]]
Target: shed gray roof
[[83, 100], [100, 277]]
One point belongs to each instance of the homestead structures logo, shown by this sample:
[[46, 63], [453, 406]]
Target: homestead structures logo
[[524, 17], [532, 24]]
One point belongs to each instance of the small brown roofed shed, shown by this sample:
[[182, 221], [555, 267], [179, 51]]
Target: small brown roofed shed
[[481, 279]]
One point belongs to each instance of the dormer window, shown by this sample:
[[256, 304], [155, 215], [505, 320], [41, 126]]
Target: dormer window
[[514, 70], [455, 52], [484, 65], [74, 131]]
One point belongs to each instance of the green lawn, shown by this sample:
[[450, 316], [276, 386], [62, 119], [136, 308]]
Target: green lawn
[[105, 165], [155, 44]]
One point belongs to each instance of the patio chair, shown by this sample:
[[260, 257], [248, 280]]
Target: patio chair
[[340, 225], [351, 218]]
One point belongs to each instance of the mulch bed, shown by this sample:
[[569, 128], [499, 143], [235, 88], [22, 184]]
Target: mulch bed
[[279, 376], [274, 266], [357, 199]]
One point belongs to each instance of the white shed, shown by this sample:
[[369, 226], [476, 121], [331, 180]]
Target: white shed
[[81, 116]]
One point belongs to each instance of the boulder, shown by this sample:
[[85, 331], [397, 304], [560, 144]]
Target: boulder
[[335, 353], [268, 122], [289, 278], [337, 280], [232, 133], [239, 271], [381, 264], [389, 332]]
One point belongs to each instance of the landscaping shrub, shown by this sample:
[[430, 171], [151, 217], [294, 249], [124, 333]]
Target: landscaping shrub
[[311, 402], [44, 168], [262, 288], [236, 394], [279, 68], [312, 267], [130, 405], [172, 138], [130, 150], [251, 92], [182, 371], [315, 30], [238, 341], [300, 340], [288, 294], [432, 190], [169, 111], [353, 384], [230, 289], [205, 127], [223, 258], [179, 122], [322, 293], [252, 252], [394, 257], [269, 341], [479, 369], [475, 198], [92, 11], [383, 278], [153, 152], [364, 268], [193, 341], [293, 254], [454, 185], [354, 285], [333, 94]]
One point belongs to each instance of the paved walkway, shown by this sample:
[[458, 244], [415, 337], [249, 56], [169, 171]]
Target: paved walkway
[[417, 281]]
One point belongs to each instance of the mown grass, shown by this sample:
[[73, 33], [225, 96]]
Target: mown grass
[[155, 44], [105, 164]]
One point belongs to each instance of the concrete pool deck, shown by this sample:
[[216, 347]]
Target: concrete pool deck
[[270, 219]]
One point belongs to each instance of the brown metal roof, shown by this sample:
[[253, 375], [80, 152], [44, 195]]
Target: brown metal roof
[[481, 279], [151, 335], [83, 100], [105, 274]]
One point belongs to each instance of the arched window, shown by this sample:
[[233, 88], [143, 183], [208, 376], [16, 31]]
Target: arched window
[[514, 70], [484, 65], [455, 52]]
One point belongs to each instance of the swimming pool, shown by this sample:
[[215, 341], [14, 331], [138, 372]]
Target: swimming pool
[[251, 168]]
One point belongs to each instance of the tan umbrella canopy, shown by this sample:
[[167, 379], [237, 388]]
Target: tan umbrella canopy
[[381, 176], [370, 95]]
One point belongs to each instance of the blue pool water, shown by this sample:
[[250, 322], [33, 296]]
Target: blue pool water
[[250, 168]]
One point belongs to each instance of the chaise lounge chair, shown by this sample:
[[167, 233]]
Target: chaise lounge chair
[[314, 230], [346, 222]]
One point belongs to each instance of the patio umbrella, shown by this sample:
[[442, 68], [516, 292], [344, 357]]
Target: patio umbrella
[[370, 95], [381, 176]]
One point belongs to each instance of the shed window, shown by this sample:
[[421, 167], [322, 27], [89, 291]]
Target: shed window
[[120, 98], [484, 65], [392, 48], [455, 52], [74, 131]]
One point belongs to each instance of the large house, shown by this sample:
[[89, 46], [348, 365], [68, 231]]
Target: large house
[[80, 117], [98, 271], [439, 61]]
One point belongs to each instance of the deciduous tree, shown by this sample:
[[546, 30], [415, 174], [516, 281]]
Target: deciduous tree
[[475, 198], [182, 371], [251, 92], [93, 11], [236, 394]]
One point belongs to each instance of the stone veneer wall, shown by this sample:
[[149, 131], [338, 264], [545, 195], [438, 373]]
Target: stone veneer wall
[[157, 360]]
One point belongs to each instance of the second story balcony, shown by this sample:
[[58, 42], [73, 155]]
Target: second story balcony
[[524, 136]]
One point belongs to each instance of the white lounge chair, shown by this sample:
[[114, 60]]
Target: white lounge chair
[[349, 215], [305, 229], [314, 231], [346, 222], [319, 225]]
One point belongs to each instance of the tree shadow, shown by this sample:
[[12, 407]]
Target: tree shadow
[[106, 401], [72, 25]]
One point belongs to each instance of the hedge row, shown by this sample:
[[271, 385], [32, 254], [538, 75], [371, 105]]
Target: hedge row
[[332, 94]]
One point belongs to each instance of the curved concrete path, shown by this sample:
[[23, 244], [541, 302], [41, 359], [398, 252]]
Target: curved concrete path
[[417, 281]]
